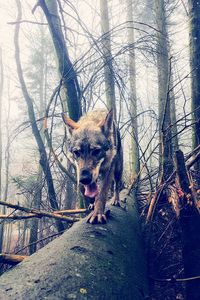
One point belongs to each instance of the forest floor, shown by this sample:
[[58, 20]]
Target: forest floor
[[164, 251]]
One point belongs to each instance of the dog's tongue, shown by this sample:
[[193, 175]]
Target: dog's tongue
[[91, 190]]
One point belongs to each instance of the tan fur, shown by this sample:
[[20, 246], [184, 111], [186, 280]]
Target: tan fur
[[94, 118], [93, 131]]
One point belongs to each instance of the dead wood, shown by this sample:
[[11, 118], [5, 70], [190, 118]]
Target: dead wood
[[32, 215], [190, 223], [11, 259], [40, 213], [86, 262]]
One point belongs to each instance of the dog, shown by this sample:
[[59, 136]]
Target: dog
[[95, 149]]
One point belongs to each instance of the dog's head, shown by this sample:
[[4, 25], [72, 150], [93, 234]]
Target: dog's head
[[89, 146]]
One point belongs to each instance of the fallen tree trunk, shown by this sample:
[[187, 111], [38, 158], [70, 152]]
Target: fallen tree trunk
[[86, 262]]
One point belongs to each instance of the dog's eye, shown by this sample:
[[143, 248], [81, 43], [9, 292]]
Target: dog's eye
[[77, 153], [96, 152]]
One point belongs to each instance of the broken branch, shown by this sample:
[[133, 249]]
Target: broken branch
[[40, 213], [11, 259], [31, 215]]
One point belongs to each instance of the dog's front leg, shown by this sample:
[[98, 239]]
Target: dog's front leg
[[98, 214]]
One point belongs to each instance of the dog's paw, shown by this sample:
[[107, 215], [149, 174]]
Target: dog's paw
[[97, 218], [91, 206], [115, 202]]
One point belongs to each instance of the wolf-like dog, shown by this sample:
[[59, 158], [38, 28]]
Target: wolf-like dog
[[95, 149]]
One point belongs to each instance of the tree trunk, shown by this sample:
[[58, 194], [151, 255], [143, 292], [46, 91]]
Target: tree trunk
[[6, 229], [107, 57], [194, 8], [190, 224], [86, 262], [42, 151], [175, 145], [38, 189], [1, 94], [133, 97], [34, 223], [163, 92], [66, 69]]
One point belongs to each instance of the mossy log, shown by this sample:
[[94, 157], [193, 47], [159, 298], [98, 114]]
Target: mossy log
[[86, 262]]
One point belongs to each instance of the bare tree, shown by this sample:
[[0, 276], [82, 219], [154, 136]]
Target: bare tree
[[66, 69], [194, 13], [163, 91], [107, 57], [42, 151], [175, 143], [1, 95], [133, 96]]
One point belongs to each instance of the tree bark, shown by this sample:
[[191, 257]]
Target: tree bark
[[194, 12], [107, 57], [133, 97], [38, 186], [163, 91], [175, 143], [66, 69], [87, 262], [1, 97]]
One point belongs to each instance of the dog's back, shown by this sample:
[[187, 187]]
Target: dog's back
[[93, 117]]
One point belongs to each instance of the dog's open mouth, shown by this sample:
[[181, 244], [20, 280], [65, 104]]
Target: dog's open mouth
[[91, 190]]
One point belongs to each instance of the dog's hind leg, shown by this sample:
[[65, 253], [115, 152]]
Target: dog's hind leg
[[118, 183], [115, 199]]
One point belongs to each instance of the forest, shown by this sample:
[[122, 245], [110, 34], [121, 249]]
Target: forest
[[59, 60]]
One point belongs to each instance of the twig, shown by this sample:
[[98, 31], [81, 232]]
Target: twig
[[174, 279], [71, 211], [31, 215], [40, 213], [35, 6], [46, 133], [193, 161], [41, 240]]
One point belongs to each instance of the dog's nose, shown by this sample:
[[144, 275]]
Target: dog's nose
[[85, 177]]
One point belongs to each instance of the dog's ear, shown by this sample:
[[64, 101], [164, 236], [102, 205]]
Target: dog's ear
[[70, 123], [106, 124]]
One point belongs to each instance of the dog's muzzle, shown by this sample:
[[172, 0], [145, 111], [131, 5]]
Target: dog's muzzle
[[85, 177], [91, 188]]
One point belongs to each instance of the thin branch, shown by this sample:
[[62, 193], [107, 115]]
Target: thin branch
[[174, 279], [32, 215], [40, 213]]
